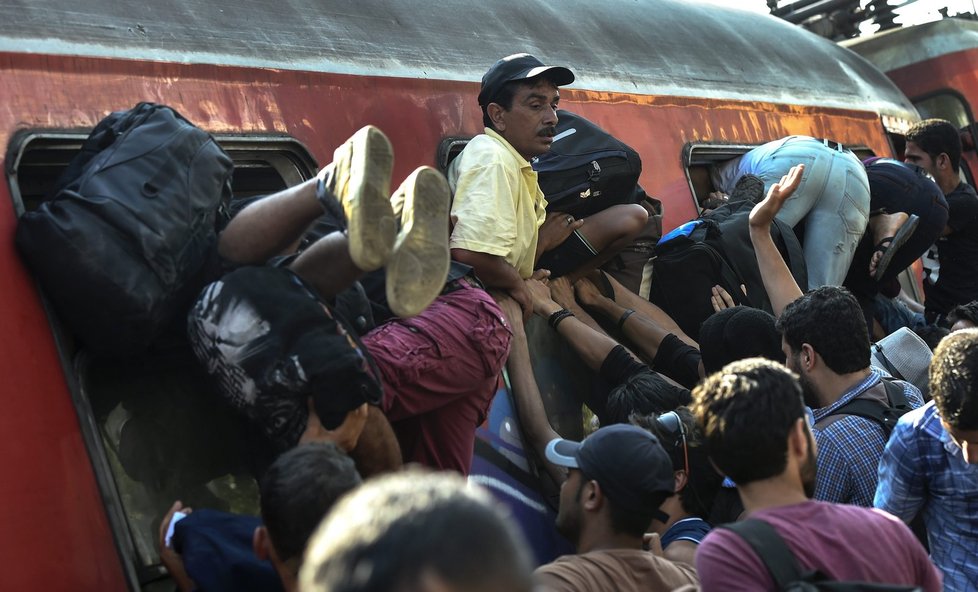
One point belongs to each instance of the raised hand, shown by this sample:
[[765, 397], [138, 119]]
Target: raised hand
[[763, 213]]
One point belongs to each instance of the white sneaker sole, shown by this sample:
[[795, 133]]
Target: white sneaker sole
[[418, 266], [367, 159]]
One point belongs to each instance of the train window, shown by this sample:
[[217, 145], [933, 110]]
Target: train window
[[944, 104], [701, 159], [154, 429]]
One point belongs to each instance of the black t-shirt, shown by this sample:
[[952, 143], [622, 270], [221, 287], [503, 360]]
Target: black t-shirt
[[956, 279]]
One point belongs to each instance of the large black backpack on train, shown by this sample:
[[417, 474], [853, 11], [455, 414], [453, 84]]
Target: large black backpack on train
[[587, 169], [717, 251], [128, 238]]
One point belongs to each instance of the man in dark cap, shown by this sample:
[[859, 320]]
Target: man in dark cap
[[618, 477], [501, 227]]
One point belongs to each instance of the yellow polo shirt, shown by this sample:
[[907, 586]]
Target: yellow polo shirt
[[497, 200]]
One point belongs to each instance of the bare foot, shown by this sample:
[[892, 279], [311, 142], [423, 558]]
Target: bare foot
[[886, 225]]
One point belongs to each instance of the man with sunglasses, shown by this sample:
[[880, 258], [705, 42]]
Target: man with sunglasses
[[757, 432], [617, 479]]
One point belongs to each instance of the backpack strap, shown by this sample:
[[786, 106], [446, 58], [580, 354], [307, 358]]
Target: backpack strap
[[770, 548], [885, 415], [896, 395], [885, 361]]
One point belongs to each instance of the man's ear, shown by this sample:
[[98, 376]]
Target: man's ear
[[592, 498], [495, 112], [260, 543], [798, 442], [943, 161], [681, 480], [808, 356]]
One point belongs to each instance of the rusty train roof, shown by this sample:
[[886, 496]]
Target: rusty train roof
[[649, 47], [902, 47]]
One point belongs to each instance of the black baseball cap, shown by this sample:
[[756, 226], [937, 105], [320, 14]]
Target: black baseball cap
[[519, 66], [629, 464]]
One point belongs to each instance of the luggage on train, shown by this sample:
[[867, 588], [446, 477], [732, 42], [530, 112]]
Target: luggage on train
[[128, 238], [587, 169], [716, 250]]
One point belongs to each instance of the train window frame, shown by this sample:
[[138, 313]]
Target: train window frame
[[698, 157], [270, 163]]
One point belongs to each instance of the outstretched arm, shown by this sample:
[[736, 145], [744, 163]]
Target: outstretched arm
[[593, 346], [778, 281]]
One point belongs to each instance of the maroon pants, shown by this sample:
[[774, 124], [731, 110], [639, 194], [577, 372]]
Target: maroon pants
[[440, 371]]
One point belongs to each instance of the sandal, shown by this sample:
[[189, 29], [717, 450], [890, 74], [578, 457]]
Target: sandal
[[891, 244]]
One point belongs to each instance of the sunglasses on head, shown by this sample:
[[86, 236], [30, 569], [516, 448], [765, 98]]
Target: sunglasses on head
[[673, 425]]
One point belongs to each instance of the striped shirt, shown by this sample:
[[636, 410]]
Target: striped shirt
[[849, 447]]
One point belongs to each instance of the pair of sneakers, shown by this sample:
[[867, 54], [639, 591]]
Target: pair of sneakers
[[406, 233]]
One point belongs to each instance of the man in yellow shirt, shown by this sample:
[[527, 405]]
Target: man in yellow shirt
[[498, 205], [501, 227]]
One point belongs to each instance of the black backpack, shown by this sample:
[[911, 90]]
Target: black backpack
[[717, 251], [587, 169], [128, 239], [886, 416], [784, 569]]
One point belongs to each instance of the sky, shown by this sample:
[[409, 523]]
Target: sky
[[913, 13]]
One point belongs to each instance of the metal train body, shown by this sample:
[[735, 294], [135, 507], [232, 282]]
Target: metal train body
[[281, 85]]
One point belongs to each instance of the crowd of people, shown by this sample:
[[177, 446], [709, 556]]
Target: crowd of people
[[806, 442]]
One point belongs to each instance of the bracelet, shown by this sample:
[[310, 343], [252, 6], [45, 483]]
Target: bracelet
[[559, 316], [624, 317]]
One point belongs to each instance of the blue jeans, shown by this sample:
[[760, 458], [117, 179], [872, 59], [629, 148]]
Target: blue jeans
[[832, 201]]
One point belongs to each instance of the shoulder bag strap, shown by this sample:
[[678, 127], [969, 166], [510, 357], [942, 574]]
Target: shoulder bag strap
[[770, 548]]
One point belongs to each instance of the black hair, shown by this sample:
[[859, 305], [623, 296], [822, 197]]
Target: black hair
[[831, 321], [954, 379], [736, 333], [643, 393], [746, 412], [298, 489], [936, 136], [703, 481], [964, 312], [507, 93], [395, 530]]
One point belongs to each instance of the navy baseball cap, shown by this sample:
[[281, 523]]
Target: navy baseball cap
[[519, 66], [629, 464]]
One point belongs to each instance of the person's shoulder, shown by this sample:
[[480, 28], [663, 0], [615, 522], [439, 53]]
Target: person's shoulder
[[483, 155], [560, 568], [827, 513], [962, 200], [964, 190]]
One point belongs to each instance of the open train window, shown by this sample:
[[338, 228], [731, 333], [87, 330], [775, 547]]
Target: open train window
[[700, 159], [154, 429]]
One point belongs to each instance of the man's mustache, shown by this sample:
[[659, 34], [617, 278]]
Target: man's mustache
[[549, 131]]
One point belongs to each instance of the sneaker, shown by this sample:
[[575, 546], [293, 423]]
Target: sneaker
[[359, 178], [418, 266]]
